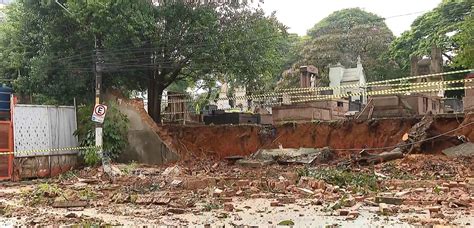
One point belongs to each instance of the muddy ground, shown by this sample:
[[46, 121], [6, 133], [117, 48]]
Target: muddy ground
[[417, 190]]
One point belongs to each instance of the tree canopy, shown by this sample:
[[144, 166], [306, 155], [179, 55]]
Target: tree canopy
[[343, 36], [449, 27], [49, 48]]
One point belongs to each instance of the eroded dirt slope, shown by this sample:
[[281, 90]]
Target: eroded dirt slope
[[227, 140]]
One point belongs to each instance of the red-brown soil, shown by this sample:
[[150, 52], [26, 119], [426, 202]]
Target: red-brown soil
[[226, 140]]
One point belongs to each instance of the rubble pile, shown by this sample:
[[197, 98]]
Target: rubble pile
[[418, 189]]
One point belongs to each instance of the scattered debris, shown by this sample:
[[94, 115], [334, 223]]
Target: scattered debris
[[388, 200], [293, 156], [172, 171], [366, 158]]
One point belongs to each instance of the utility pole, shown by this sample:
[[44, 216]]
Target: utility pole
[[99, 68], [98, 83]]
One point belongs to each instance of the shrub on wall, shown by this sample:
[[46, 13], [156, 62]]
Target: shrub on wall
[[115, 130]]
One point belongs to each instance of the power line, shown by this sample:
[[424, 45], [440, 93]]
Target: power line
[[406, 14]]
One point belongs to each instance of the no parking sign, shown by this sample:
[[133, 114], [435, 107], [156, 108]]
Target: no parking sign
[[99, 113]]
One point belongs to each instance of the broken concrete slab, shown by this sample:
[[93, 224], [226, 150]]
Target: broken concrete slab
[[291, 155], [253, 163], [465, 149]]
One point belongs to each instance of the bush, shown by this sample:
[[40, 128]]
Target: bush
[[115, 130], [360, 181]]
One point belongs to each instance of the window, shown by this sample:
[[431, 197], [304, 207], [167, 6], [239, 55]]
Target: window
[[340, 104]]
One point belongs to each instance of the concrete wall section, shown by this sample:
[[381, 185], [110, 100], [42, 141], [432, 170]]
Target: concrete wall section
[[145, 146], [43, 166]]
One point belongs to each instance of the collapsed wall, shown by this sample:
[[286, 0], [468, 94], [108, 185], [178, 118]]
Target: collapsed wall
[[144, 144], [157, 144], [345, 136]]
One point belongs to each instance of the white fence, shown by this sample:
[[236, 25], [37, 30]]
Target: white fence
[[39, 127]]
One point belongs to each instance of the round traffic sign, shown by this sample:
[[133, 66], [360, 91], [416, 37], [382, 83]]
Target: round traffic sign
[[100, 110]]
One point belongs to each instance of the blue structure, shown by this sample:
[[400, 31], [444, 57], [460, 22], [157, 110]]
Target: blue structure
[[5, 94]]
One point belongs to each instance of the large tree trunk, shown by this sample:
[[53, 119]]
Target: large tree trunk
[[157, 96], [151, 94]]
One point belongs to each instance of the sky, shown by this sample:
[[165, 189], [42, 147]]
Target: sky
[[301, 15]]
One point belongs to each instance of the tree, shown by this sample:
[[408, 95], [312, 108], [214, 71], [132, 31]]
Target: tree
[[143, 45], [33, 37], [448, 26], [343, 36]]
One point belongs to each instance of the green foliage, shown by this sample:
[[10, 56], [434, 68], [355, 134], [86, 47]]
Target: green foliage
[[115, 130], [87, 193], [32, 40], [129, 168], [465, 39], [342, 37], [210, 207], [50, 51], [448, 26], [41, 194], [362, 182]]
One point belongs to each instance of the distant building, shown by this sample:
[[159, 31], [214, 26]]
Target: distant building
[[341, 76], [468, 100], [382, 106], [294, 110], [433, 64]]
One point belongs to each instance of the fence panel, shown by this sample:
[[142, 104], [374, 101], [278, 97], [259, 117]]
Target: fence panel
[[39, 127]]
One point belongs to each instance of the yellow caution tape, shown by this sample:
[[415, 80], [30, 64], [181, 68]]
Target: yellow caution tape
[[272, 95], [395, 91], [27, 152], [389, 80], [383, 93]]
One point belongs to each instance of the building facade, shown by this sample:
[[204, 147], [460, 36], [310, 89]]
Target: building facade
[[341, 76]]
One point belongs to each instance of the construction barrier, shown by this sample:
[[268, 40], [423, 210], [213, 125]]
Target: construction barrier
[[368, 85], [396, 91], [27, 152]]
